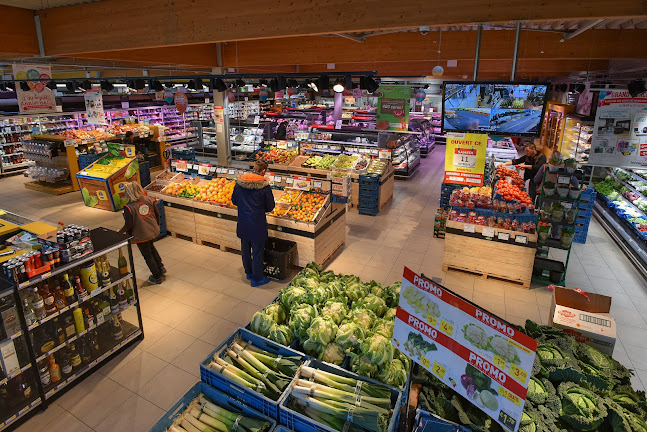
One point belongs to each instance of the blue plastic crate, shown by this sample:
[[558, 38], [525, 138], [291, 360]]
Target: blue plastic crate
[[280, 428], [301, 423], [183, 153], [144, 173], [217, 398], [339, 199], [369, 194], [427, 422], [580, 237], [256, 400], [86, 159], [367, 212], [370, 178]]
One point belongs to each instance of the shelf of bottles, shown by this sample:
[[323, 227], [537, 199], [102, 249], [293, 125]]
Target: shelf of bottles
[[70, 320]]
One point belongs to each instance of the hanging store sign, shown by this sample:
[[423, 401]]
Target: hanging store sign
[[278, 95], [620, 131], [168, 96], [357, 92], [465, 159], [94, 107], [393, 108], [38, 98], [181, 102], [478, 355]]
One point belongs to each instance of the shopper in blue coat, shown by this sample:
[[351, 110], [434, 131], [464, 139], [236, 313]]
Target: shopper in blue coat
[[253, 197]]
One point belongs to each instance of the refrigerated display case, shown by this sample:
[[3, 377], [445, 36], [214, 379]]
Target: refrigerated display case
[[502, 150], [60, 326], [552, 130], [576, 142], [426, 137], [406, 156], [247, 137]]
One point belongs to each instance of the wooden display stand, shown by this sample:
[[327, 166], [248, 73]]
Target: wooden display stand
[[504, 260], [213, 225]]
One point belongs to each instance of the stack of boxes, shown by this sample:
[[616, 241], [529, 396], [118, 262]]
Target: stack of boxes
[[368, 202], [584, 213]]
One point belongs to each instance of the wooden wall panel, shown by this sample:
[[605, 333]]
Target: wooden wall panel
[[18, 31]]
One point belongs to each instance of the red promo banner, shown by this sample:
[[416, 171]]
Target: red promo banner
[[463, 178]]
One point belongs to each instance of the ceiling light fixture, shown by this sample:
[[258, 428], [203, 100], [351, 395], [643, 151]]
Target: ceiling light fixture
[[24, 86], [371, 84], [338, 87], [636, 87], [219, 85], [240, 83], [156, 85], [313, 85], [51, 85]]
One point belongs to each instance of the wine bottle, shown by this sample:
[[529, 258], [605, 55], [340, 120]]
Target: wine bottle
[[60, 333], [94, 344], [28, 312], [24, 388], [47, 341], [70, 297], [38, 304], [123, 266], [130, 295], [114, 303], [103, 267], [117, 331], [66, 365], [121, 297], [54, 370], [104, 305], [48, 299], [86, 356], [43, 372], [75, 358], [97, 311], [89, 319], [81, 292]]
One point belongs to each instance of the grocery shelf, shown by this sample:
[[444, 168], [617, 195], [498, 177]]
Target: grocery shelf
[[20, 413], [13, 375]]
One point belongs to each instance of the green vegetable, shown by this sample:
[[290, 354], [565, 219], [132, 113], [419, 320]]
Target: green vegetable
[[384, 328], [373, 303], [261, 324], [377, 349], [322, 330], [277, 312], [361, 365], [417, 346], [481, 381], [394, 374], [489, 400], [363, 317], [335, 309], [300, 319], [349, 335], [280, 334], [133, 168], [333, 353], [581, 408]]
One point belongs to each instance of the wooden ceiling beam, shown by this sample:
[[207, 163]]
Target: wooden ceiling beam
[[111, 25], [18, 31]]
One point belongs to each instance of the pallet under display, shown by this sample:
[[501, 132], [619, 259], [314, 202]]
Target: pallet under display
[[499, 254]]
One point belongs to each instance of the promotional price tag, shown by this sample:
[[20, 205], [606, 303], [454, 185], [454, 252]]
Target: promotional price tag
[[439, 370], [563, 180], [499, 362], [431, 320], [203, 169], [289, 180], [316, 184], [282, 144], [469, 228], [181, 166], [257, 119], [278, 179], [69, 143], [384, 153], [518, 373], [521, 239], [231, 172], [488, 232], [503, 236], [446, 328]]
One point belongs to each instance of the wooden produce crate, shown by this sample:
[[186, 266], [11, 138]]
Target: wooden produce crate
[[504, 260], [107, 192]]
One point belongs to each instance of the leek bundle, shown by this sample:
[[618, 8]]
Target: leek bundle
[[256, 369], [340, 402], [202, 415]]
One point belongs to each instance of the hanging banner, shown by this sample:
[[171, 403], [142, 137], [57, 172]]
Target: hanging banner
[[620, 131], [94, 107], [477, 354], [181, 102], [39, 98], [393, 108], [168, 95], [465, 158]]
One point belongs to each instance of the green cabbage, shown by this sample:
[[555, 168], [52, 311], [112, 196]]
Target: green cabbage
[[356, 290], [281, 334], [384, 328], [312, 347], [349, 335], [390, 314], [372, 303], [300, 319], [277, 312], [315, 295], [292, 296], [362, 365], [363, 317], [335, 309], [377, 349], [261, 324], [392, 294], [581, 408], [393, 374], [334, 289], [333, 353], [322, 330]]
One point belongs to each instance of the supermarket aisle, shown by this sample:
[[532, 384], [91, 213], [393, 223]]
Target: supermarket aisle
[[206, 297]]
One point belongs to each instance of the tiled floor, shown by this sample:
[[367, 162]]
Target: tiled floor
[[206, 297]]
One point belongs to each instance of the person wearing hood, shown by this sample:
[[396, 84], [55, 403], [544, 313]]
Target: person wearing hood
[[253, 197]]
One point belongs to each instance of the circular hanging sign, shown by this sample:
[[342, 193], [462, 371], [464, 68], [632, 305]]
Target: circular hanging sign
[[231, 97], [420, 95], [181, 102], [290, 91], [168, 95], [262, 95]]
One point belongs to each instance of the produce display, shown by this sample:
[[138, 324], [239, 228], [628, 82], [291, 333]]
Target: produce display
[[98, 134], [321, 162], [289, 195], [255, 368], [626, 203], [341, 403], [205, 416], [186, 189], [306, 206], [276, 155], [492, 221], [475, 197], [362, 163], [573, 387], [218, 190], [345, 162], [510, 192], [137, 129], [377, 167], [333, 316], [503, 173]]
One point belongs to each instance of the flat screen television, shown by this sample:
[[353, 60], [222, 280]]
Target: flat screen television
[[495, 108]]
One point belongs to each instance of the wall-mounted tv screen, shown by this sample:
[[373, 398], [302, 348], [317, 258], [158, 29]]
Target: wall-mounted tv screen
[[510, 109]]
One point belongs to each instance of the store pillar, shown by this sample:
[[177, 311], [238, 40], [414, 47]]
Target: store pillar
[[222, 127]]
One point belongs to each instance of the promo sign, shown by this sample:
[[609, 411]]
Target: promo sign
[[620, 130], [465, 159], [38, 99], [181, 102], [393, 108], [94, 107], [478, 355]]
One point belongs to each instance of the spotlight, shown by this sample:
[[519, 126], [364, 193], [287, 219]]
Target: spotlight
[[636, 87], [281, 82], [24, 86], [292, 83], [70, 86], [86, 85], [274, 85], [51, 85], [219, 85], [156, 85], [371, 84], [168, 84], [240, 83], [338, 87], [313, 85], [348, 82], [262, 82], [323, 83]]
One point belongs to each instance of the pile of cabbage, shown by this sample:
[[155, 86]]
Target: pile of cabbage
[[333, 317]]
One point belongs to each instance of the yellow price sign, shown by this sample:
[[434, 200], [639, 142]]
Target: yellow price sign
[[509, 396], [439, 370], [431, 320], [499, 362], [518, 373], [446, 328], [425, 362]]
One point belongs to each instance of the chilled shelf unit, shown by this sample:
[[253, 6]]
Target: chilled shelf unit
[[576, 142], [60, 325]]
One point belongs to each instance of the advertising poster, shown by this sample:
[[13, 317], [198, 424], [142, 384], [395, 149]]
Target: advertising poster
[[393, 108], [480, 356], [620, 131], [38, 99], [465, 158], [181, 102], [94, 107]]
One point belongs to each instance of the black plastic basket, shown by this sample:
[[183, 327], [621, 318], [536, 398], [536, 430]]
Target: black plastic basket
[[279, 258]]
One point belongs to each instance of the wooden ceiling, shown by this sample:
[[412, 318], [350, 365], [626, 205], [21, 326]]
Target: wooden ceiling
[[558, 38]]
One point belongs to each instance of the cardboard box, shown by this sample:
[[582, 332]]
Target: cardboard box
[[9, 358], [585, 316]]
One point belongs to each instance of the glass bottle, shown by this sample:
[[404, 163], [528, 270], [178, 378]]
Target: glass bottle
[[38, 304], [43, 372], [59, 297], [123, 266], [121, 297], [28, 312], [86, 356], [60, 333], [70, 297], [117, 331], [47, 341], [89, 319], [104, 305], [114, 304], [48, 299], [97, 312], [54, 370], [82, 293], [130, 294], [94, 344], [103, 267], [75, 358], [24, 388], [69, 327], [66, 365]]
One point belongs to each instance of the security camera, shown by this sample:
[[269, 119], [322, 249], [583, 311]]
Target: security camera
[[424, 30]]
